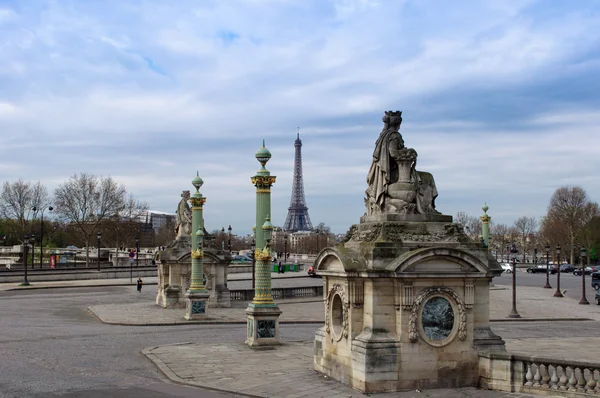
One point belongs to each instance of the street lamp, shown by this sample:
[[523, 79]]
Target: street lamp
[[25, 250], [547, 285], [99, 237], [137, 251], [318, 243], [32, 240], [229, 238], [50, 208], [285, 238], [558, 293], [582, 253], [513, 312], [253, 246]]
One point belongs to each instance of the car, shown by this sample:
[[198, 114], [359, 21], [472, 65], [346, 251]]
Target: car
[[588, 270], [541, 268], [242, 258], [567, 268], [506, 267], [596, 280]]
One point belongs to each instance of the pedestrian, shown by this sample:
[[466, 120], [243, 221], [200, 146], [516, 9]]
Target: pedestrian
[[279, 269], [139, 284]]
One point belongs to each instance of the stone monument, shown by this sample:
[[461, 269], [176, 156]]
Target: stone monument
[[406, 292], [175, 264]]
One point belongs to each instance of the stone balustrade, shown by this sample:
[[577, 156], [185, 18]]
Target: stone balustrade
[[535, 375], [279, 293]]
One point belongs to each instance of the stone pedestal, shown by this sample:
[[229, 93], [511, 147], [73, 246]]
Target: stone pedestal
[[407, 307], [174, 276], [263, 325], [196, 305]]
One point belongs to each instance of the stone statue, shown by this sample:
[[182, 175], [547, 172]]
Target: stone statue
[[184, 217], [394, 184]]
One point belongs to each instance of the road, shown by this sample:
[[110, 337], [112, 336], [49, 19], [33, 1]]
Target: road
[[52, 347], [568, 282]]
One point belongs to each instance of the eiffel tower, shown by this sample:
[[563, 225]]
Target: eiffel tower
[[297, 218]]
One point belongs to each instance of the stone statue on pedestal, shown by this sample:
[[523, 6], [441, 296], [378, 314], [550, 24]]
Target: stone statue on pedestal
[[184, 217], [395, 186]]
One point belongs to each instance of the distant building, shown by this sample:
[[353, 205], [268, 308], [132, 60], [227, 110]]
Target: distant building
[[157, 219]]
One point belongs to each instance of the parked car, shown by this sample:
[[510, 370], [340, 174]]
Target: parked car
[[596, 280], [506, 267], [567, 268], [588, 270], [541, 268]]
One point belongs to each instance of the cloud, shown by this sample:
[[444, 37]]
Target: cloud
[[499, 98]]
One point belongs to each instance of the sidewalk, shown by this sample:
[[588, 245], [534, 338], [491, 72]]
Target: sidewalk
[[284, 371], [534, 304]]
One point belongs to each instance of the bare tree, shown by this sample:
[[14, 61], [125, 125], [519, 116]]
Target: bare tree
[[499, 233], [589, 236], [19, 198], [526, 227], [567, 207], [471, 224], [86, 200]]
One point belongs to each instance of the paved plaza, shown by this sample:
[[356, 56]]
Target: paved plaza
[[53, 346], [286, 371]]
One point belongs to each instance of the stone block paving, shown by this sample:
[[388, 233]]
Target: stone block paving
[[147, 313], [284, 371]]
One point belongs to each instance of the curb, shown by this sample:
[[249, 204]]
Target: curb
[[164, 368]]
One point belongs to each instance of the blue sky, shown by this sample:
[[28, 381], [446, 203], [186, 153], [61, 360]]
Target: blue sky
[[500, 98]]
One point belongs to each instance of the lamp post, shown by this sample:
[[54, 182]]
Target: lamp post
[[196, 297], [99, 237], [253, 247], [513, 312], [285, 238], [547, 285], [263, 313], [582, 253], [318, 243], [229, 238], [558, 293], [25, 250], [32, 241], [137, 251], [50, 208]]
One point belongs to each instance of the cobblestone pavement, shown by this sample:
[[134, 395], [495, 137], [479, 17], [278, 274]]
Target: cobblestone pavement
[[285, 371]]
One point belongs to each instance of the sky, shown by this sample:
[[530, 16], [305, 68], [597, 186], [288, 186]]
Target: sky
[[499, 98]]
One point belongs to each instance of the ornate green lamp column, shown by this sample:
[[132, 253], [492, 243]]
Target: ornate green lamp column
[[197, 296], [263, 313], [485, 225]]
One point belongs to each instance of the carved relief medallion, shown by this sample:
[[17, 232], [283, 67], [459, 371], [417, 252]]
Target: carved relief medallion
[[438, 315], [336, 314]]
